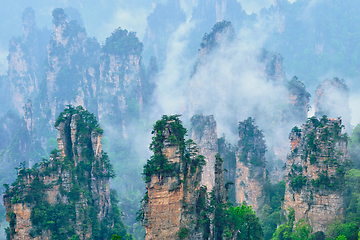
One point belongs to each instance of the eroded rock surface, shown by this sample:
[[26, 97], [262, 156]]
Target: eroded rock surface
[[315, 172], [74, 182], [204, 135]]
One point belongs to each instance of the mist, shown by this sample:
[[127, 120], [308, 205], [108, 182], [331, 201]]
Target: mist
[[230, 81]]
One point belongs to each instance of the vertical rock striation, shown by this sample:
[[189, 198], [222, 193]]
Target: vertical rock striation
[[250, 165], [204, 135], [68, 195], [26, 56], [72, 70], [315, 172], [120, 86], [173, 176]]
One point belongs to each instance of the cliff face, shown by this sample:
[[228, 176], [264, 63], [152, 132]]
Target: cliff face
[[161, 23], [25, 61], [68, 195], [120, 88], [71, 66], [221, 35], [173, 177], [250, 165], [204, 135], [332, 99], [208, 12], [315, 172]]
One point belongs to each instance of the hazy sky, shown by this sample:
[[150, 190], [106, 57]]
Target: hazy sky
[[100, 17]]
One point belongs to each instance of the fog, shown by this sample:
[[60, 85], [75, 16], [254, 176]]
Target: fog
[[229, 82]]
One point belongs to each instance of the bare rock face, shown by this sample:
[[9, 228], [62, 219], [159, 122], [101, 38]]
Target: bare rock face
[[332, 99], [68, 195], [25, 61], [250, 165], [204, 135], [173, 177], [315, 172], [120, 88], [71, 67]]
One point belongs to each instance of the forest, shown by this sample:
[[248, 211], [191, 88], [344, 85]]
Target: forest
[[180, 119]]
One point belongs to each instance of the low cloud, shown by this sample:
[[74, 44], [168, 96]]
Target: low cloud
[[230, 83], [3, 60], [251, 6]]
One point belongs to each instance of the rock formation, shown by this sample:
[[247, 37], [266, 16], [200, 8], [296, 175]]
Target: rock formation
[[173, 177], [161, 23], [175, 205], [250, 165], [272, 64], [208, 12], [26, 56], [221, 35], [205, 136], [228, 154], [120, 87], [332, 99], [315, 172], [68, 195], [71, 68]]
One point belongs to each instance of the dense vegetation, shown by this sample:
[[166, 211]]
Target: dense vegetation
[[59, 217], [123, 43], [169, 130], [321, 139], [252, 146], [326, 37]]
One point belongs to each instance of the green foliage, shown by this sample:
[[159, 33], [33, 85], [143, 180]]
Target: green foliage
[[115, 237], [298, 182], [348, 226], [209, 40], [242, 223], [60, 216], [341, 237], [321, 139], [170, 130], [285, 231], [183, 233], [297, 131], [302, 230], [251, 144], [87, 121], [354, 146], [58, 16], [270, 213], [123, 43]]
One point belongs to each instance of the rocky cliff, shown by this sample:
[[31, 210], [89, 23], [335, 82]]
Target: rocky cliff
[[204, 135], [175, 205], [173, 177], [121, 83], [161, 23], [208, 12], [71, 67], [315, 172], [67, 196], [332, 99], [26, 56], [250, 165]]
